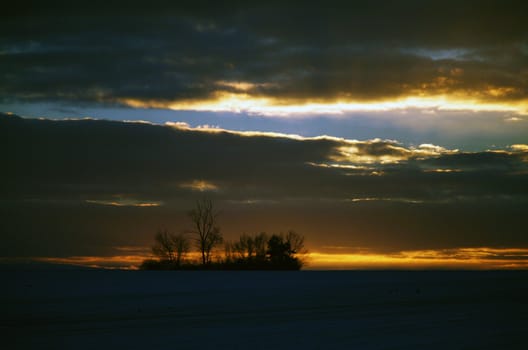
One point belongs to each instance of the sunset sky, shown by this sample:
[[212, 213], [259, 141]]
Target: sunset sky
[[392, 134]]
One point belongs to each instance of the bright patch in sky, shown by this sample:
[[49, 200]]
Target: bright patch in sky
[[199, 185], [245, 103], [124, 202]]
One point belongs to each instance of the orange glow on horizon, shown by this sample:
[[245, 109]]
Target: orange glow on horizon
[[459, 258], [124, 262]]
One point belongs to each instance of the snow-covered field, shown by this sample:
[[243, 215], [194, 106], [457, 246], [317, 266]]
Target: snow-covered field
[[99, 309]]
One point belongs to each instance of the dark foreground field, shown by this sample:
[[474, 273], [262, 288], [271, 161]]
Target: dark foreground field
[[270, 310]]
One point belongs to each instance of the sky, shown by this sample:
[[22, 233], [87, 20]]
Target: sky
[[390, 134]]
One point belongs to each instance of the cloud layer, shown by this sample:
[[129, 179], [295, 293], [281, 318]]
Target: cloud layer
[[249, 56]]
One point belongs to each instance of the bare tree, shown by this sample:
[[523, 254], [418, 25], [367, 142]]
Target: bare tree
[[296, 242], [229, 251], [163, 247], [204, 218], [297, 248], [245, 246], [170, 247], [261, 244], [181, 246]]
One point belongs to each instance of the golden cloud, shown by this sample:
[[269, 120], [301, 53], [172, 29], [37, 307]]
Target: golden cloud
[[242, 101], [124, 202], [199, 185], [519, 148]]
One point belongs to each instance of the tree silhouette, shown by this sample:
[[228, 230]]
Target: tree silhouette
[[245, 247], [278, 249], [257, 252], [181, 246], [283, 250], [229, 252], [261, 241], [170, 247], [250, 247], [296, 242], [207, 233], [163, 247]]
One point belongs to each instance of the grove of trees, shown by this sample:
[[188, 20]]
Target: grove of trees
[[250, 252]]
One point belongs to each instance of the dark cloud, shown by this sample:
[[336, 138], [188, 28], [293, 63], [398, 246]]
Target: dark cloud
[[87, 185], [104, 158], [361, 50]]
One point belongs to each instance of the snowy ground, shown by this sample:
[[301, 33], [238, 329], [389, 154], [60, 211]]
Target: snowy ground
[[263, 310]]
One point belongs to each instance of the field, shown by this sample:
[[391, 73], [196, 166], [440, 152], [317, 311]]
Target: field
[[103, 309]]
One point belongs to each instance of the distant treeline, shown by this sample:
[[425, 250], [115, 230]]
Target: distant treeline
[[257, 252]]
